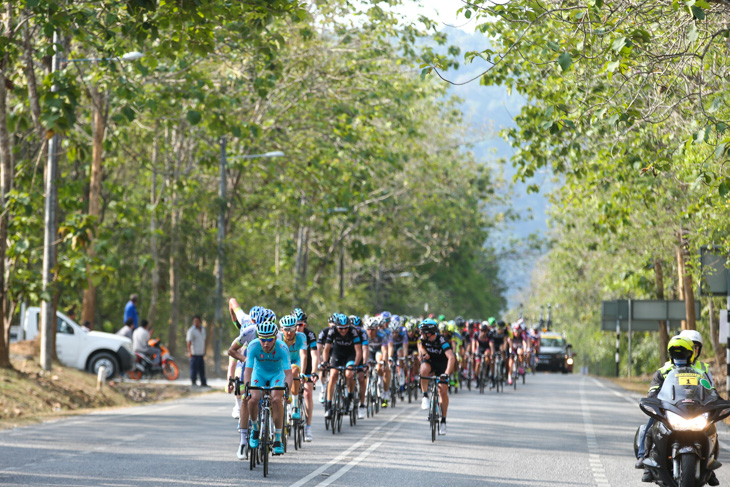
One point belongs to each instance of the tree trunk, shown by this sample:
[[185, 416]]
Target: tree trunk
[[33, 99], [98, 123], [174, 245], [6, 170], [685, 277], [154, 245], [663, 334], [715, 335]]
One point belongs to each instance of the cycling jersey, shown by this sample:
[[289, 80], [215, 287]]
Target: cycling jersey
[[377, 342], [499, 336], [413, 343], [343, 346], [322, 337], [518, 339], [268, 367], [399, 337], [246, 335], [483, 342], [299, 343], [311, 345], [364, 342], [436, 351]]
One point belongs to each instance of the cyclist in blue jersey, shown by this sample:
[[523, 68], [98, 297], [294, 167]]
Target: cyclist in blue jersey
[[309, 372], [398, 346], [267, 365], [378, 342], [297, 343]]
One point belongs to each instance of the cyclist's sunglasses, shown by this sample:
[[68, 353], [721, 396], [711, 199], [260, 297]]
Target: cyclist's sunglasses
[[301, 324], [267, 339], [343, 327]]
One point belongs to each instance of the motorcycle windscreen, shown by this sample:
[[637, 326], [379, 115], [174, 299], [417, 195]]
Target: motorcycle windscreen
[[685, 384]]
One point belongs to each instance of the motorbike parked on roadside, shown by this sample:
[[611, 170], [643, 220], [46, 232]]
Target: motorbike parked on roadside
[[685, 445], [149, 368]]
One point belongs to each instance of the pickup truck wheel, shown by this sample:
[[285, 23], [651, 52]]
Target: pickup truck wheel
[[106, 359]]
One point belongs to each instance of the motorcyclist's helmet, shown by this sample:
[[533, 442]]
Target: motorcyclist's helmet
[[681, 351], [695, 337]]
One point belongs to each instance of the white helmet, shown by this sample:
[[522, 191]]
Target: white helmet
[[692, 335]]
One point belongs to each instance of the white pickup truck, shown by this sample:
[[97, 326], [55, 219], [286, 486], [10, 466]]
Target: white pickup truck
[[76, 347]]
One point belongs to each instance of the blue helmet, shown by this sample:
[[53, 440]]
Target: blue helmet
[[267, 328], [266, 315], [255, 313], [288, 322], [355, 321], [429, 325], [341, 320], [395, 318], [299, 315], [385, 316]]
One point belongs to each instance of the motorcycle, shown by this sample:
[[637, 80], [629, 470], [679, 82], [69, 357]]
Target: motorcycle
[[685, 445], [144, 367]]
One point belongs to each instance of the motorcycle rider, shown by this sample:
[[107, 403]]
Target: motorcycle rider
[[682, 353]]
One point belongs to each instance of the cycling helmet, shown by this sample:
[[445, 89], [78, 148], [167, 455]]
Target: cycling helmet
[[442, 317], [450, 326], [267, 315], [355, 321], [332, 318], [300, 315], [394, 326], [385, 316], [372, 323], [501, 324], [288, 322], [459, 321], [396, 319], [341, 320], [681, 351], [491, 321], [484, 327], [428, 325], [255, 313], [266, 328]]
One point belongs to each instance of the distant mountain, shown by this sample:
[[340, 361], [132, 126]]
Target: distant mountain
[[487, 110]]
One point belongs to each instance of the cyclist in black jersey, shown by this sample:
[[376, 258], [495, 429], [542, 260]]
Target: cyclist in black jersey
[[321, 339], [481, 349], [437, 358], [310, 372], [342, 348], [356, 322]]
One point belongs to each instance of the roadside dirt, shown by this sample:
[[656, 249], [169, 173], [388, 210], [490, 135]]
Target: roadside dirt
[[28, 394]]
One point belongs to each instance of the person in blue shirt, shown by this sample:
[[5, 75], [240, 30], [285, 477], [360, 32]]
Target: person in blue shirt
[[297, 344], [268, 364], [130, 311]]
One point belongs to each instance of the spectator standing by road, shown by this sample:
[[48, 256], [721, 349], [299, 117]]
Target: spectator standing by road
[[196, 351], [130, 311], [127, 329]]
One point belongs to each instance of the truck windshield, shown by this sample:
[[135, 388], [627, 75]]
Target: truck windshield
[[551, 342]]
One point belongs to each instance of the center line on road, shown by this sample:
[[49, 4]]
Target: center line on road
[[344, 453], [363, 455], [594, 458]]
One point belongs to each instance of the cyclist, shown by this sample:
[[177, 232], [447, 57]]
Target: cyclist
[[357, 323], [297, 344], [321, 339], [309, 370], [397, 347], [437, 358], [412, 351], [267, 365], [378, 342], [499, 339], [237, 358], [519, 343], [342, 348], [481, 349]]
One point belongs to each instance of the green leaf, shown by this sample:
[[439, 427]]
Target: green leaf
[[698, 13], [554, 46], [564, 60], [724, 187], [194, 117], [611, 67], [693, 34], [128, 112], [702, 4], [720, 150], [618, 44], [467, 13]]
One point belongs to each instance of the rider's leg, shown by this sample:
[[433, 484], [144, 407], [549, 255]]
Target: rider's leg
[[277, 411], [425, 372], [444, 396], [308, 393], [361, 380], [295, 384]]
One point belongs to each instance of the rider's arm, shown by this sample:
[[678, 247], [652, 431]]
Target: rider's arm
[[656, 384], [452, 362], [303, 358], [247, 374], [288, 377], [358, 353], [326, 352], [235, 351]]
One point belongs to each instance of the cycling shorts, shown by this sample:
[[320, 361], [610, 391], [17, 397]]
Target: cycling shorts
[[438, 367], [308, 368], [396, 349], [260, 378], [373, 355], [341, 360], [482, 350], [412, 349]]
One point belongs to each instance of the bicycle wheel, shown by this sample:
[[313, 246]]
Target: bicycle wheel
[[434, 413], [264, 441], [295, 436], [335, 408], [368, 399]]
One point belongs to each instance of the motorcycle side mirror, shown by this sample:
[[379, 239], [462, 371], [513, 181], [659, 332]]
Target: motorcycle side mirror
[[723, 414], [651, 410]]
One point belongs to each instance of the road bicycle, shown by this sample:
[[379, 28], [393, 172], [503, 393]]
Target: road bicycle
[[261, 453], [372, 391], [497, 372], [434, 406], [469, 372], [297, 425], [338, 400], [411, 381]]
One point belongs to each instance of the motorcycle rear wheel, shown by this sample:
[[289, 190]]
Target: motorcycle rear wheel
[[170, 370], [687, 470]]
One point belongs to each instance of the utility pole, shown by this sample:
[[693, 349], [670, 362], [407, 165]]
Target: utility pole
[[218, 330], [49, 237]]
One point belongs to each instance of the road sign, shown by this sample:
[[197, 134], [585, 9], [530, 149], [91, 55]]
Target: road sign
[[645, 314], [715, 276]]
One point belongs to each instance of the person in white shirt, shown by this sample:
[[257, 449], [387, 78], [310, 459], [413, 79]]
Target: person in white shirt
[[140, 339], [196, 351]]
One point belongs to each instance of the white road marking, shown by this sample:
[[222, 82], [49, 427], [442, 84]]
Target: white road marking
[[345, 453], [594, 458], [626, 398]]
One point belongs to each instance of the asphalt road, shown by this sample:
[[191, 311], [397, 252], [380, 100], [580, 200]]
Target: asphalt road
[[555, 431]]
